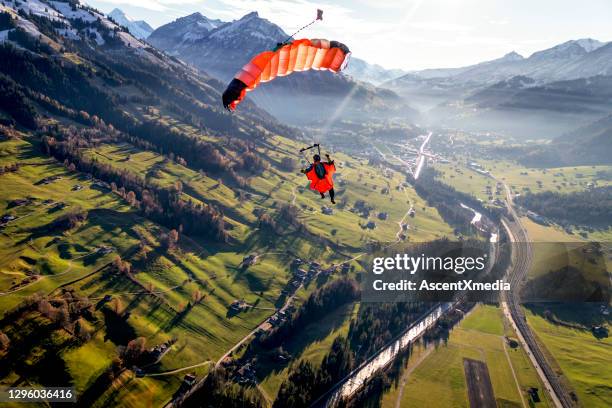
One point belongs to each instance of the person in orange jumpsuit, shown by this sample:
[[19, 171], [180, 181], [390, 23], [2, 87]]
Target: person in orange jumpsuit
[[320, 175]]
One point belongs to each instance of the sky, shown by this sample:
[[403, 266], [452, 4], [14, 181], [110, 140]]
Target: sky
[[408, 34]]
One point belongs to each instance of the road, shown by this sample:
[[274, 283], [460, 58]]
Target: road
[[522, 258], [422, 157]]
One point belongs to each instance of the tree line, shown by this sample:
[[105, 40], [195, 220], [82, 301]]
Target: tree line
[[163, 205], [589, 208]]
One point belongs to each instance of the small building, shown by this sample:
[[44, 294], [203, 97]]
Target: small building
[[189, 380], [327, 210], [536, 218], [599, 331], [7, 218], [103, 250], [238, 305], [370, 225], [383, 216], [249, 260]]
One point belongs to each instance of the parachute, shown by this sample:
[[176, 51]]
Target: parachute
[[286, 58]]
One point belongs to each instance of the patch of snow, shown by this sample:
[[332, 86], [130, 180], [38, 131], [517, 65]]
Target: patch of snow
[[69, 33], [129, 40], [37, 8], [79, 13]]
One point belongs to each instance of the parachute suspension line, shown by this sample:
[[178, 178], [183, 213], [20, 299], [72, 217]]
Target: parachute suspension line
[[317, 145], [319, 17]]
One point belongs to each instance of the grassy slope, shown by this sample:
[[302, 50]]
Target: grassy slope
[[205, 332], [582, 358], [310, 344], [562, 179]]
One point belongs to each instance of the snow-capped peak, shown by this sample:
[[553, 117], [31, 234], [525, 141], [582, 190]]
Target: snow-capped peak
[[118, 15], [139, 29], [252, 25], [589, 44], [569, 49]]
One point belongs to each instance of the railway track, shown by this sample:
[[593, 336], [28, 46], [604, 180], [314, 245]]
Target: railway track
[[517, 275]]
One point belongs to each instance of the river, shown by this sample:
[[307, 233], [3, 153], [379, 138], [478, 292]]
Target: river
[[476, 223]]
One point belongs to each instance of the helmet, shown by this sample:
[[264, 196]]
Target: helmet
[[316, 157]]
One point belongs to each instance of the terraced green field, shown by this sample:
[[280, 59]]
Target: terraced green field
[[157, 298]]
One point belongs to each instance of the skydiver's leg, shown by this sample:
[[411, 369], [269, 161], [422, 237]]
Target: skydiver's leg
[[322, 195], [332, 193]]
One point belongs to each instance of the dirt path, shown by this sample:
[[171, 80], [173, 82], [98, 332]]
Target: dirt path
[[178, 370], [518, 387], [428, 350], [263, 392]]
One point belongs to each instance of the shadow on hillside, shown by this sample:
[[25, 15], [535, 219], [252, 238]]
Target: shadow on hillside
[[268, 359], [577, 316]]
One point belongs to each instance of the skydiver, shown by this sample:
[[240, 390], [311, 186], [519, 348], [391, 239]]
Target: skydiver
[[320, 175]]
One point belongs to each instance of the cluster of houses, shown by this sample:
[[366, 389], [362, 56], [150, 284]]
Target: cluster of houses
[[304, 272], [246, 375], [278, 318]]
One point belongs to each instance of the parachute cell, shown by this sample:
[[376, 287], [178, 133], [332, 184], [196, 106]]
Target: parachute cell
[[298, 55]]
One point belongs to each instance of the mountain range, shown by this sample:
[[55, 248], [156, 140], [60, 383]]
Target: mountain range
[[541, 96], [571, 60], [222, 48]]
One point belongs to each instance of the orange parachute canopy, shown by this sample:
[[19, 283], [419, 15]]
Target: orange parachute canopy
[[298, 55]]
